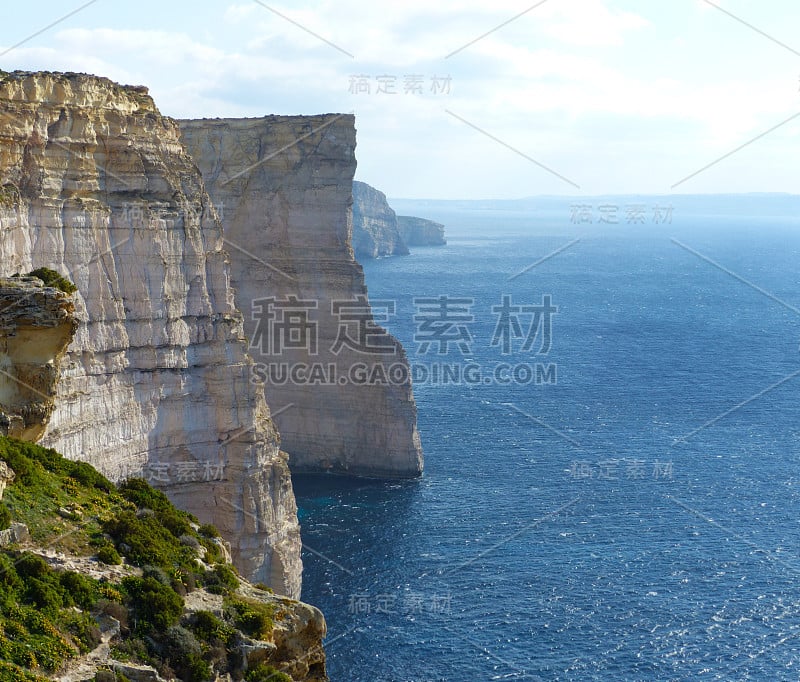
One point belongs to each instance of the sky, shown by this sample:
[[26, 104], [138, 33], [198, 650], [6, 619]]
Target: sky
[[468, 99]]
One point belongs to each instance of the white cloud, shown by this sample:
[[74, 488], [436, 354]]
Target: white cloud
[[569, 81]]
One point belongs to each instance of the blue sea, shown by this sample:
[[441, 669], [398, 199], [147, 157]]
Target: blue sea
[[630, 513]]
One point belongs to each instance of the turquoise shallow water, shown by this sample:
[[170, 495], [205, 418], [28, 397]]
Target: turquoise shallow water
[[624, 523]]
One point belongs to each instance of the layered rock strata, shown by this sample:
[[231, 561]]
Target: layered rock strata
[[95, 184], [284, 188], [420, 231], [375, 228], [37, 323]]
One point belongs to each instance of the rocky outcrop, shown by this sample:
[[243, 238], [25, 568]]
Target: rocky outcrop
[[7, 477], [285, 187], [375, 229], [420, 232], [37, 323], [16, 533], [95, 184]]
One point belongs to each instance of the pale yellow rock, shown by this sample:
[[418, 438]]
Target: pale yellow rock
[[283, 185], [7, 477], [95, 184], [37, 323]]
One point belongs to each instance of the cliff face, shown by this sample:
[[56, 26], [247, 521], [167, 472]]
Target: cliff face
[[420, 232], [375, 230], [284, 185], [37, 323], [94, 183]]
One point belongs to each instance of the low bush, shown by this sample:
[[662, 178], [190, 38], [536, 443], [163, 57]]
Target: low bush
[[156, 607], [251, 617], [5, 516], [53, 279], [265, 673], [209, 531], [183, 651], [109, 555], [210, 629], [148, 542], [81, 590], [221, 579]]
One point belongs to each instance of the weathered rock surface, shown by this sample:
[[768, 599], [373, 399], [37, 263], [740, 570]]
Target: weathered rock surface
[[420, 231], [17, 533], [375, 228], [37, 323], [7, 477], [95, 184], [285, 187]]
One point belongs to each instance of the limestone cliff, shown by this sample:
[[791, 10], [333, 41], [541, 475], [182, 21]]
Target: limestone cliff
[[375, 230], [420, 232], [95, 184], [37, 323], [284, 184]]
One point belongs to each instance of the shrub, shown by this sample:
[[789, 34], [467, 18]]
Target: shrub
[[132, 650], [21, 458], [184, 653], [114, 610], [213, 553], [209, 531], [251, 617], [266, 673], [32, 566], [221, 579], [190, 541], [155, 606], [5, 516], [83, 630], [44, 594], [179, 641], [211, 629], [156, 573], [82, 590], [148, 541], [52, 279], [143, 495], [89, 476], [109, 555], [10, 673], [9, 578]]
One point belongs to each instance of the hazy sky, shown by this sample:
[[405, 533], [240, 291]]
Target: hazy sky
[[613, 96]]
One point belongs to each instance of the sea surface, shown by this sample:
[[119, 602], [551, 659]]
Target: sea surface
[[634, 517]]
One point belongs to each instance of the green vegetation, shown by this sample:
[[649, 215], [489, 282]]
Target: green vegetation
[[52, 279], [109, 555], [11, 673], [39, 628], [221, 579], [251, 617], [266, 673], [9, 194], [155, 606], [48, 616], [5, 516]]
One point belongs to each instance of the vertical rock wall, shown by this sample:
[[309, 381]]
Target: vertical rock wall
[[95, 183], [283, 185], [375, 226]]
